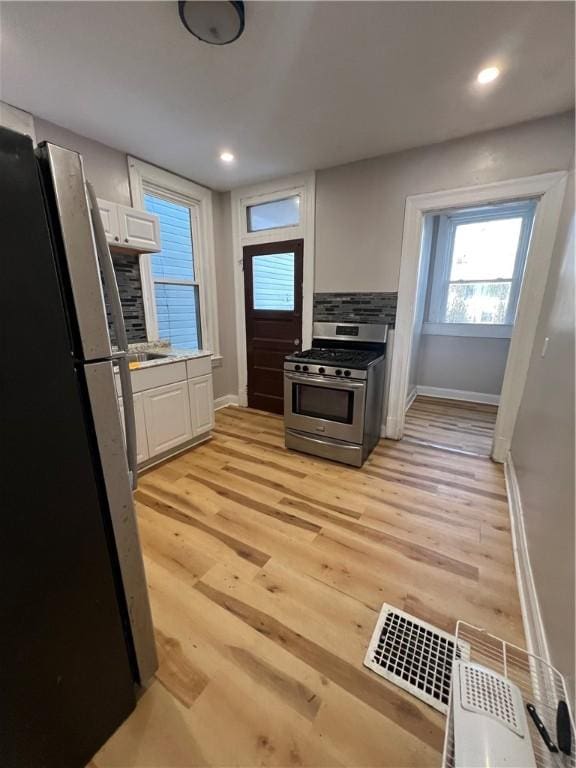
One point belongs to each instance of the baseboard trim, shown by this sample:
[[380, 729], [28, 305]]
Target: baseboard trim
[[458, 394], [411, 397], [531, 615], [225, 401]]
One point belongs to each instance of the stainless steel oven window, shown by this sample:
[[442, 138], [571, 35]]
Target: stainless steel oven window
[[323, 403]]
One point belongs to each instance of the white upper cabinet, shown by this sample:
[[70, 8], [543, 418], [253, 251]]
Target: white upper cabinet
[[109, 216], [130, 228], [138, 229]]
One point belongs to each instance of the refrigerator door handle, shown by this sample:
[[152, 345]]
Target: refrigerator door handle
[[111, 287], [129, 420]]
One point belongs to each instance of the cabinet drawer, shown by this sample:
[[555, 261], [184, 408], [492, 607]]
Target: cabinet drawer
[[158, 376], [199, 366]]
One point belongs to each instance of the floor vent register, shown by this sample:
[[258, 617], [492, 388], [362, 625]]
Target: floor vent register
[[415, 656]]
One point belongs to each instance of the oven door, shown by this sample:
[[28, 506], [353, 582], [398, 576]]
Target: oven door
[[324, 406]]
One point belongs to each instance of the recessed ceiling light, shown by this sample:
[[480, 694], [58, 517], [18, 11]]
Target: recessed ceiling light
[[226, 157], [488, 75]]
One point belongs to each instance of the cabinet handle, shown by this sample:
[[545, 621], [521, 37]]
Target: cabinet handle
[[117, 238], [125, 239]]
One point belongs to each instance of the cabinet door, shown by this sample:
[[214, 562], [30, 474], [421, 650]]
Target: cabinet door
[[109, 216], [138, 229], [142, 452], [167, 414], [201, 404]]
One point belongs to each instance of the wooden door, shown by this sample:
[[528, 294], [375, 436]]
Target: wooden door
[[273, 299]]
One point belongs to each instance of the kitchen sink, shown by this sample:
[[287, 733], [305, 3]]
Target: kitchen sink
[[142, 357]]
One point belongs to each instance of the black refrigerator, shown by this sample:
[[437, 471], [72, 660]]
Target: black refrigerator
[[76, 638]]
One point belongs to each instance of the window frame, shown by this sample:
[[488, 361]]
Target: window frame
[[442, 266], [149, 178], [247, 205]]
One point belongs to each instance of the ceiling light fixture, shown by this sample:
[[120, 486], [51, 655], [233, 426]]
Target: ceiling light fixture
[[217, 22], [226, 157], [488, 75]]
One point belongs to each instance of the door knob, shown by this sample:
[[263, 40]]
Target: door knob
[[296, 342]]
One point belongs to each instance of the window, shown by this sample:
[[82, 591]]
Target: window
[[478, 265], [273, 282], [173, 271], [179, 282], [274, 214]]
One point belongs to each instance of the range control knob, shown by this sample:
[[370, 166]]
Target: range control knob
[[321, 370], [346, 373], [296, 367], [304, 367], [338, 372]]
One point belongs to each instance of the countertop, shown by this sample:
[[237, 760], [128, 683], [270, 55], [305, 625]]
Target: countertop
[[173, 354]]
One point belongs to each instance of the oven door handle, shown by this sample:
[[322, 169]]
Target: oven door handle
[[348, 384]]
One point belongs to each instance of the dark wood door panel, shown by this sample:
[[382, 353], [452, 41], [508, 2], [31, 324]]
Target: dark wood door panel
[[272, 280]]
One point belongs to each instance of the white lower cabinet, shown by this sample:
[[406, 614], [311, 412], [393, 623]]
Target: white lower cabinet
[[171, 406], [142, 452], [201, 404], [167, 417]]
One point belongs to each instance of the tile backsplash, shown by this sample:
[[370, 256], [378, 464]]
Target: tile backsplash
[[355, 307], [127, 269]]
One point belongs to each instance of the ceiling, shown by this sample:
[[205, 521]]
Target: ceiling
[[307, 86]]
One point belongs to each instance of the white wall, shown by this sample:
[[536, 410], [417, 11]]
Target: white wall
[[428, 245], [105, 167], [225, 376], [360, 206], [543, 450], [462, 362]]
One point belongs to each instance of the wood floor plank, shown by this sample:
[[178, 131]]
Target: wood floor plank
[[452, 424], [267, 569]]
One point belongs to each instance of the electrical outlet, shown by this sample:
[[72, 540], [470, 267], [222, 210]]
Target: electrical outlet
[[545, 346]]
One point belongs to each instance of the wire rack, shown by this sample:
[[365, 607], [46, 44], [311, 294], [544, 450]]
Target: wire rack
[[539, 683]]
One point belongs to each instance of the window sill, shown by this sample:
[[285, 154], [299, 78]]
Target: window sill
[[476, 330]]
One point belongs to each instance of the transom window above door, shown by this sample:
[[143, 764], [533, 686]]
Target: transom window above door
[[274, 214], [477, 267]]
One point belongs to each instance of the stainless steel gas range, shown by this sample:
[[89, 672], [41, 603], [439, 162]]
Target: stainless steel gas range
[[334, 392]]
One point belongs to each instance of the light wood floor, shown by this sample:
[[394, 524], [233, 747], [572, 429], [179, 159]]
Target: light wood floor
[[267, 570], [452, 424]]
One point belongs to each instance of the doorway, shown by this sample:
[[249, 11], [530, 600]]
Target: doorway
[[547, 190], [273, 274], [471, 271]]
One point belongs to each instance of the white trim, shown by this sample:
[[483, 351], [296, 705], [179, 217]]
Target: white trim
[[444, 252], [142, 174], [458, 394], [476, 330], [225, 401], [410, 399], [305, 186], [531, 615], [549, 188]]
